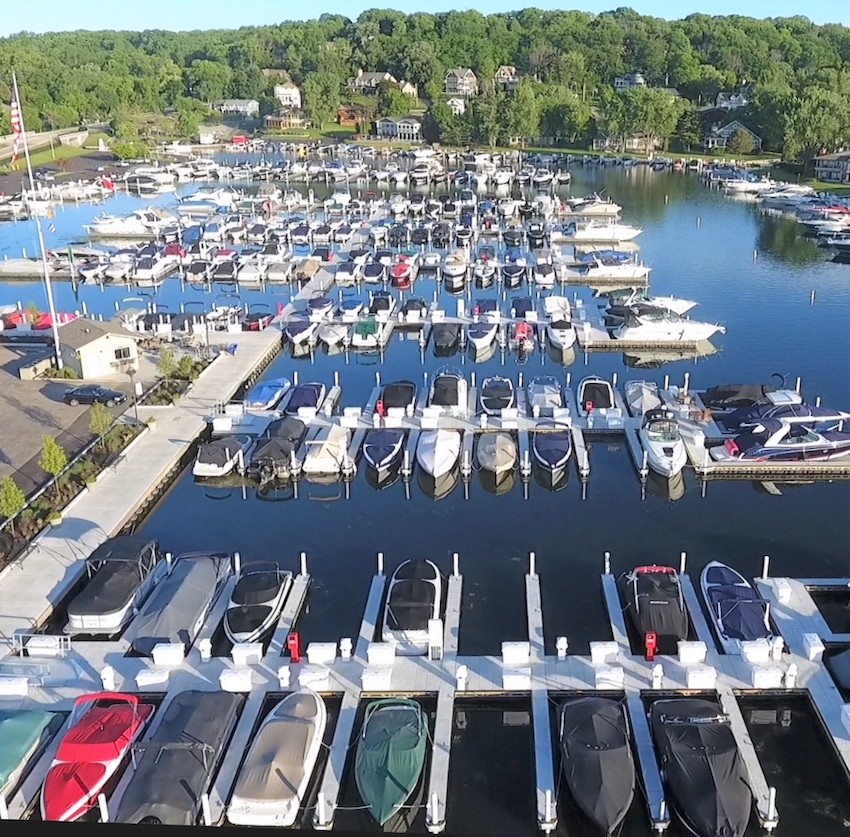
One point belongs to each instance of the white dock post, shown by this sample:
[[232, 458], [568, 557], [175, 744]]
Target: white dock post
[[686, 383], [205, 807], [4, 810], [107, 678], [432, 822], [303, 563], [322, 820], [657, 676], [561, 646], [237, 562], [765, 567], [683, 558], [532, 564], [461, 675], [607, 563], [667, 381], [644, 466], [798, 385], [380, 563], [104, 810], [455, 565]]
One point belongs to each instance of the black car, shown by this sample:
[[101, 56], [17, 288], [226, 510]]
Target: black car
[[93, 395]]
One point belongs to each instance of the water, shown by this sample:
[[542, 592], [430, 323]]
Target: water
[[701, 246]]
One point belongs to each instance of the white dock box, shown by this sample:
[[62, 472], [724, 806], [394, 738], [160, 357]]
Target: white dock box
[[321, 653], [314, 677], [692, 653], [766, 677], [376, 678], [244, 653], [783, 590], [609, 677], [516, 679], [813, 646], [701, 677], [380, 654], [756, 651], [235, 680], [516, 654], [603, 652], [168, 654], [222, 424], [14, 686], [148, 677]]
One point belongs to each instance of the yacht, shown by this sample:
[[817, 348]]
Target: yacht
[[663, 326], [662, 441]]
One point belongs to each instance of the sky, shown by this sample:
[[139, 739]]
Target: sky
[[63, 15]]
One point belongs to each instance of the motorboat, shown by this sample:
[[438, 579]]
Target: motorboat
[[256, 601], [641, 397], [300, 330], [96, 746], [413, 310], [702, 767], [596, 759], [594, 394], [560, 329], [497, 394], [272, 456], [401, 272], [454, 265], [220, 456], [483, 272], [737, 609], [635, 296], [414, 598], [786, 441], [179, 604], [121, 572], [543, 395], [522, 308], [319, 307], [381, 305], [445, 338], [514, 272], [482, 331], [664, 326], [438, 451], [350, 310], [523, 337], [23, 735], [272, 782], [496, 452], [266, 395], [332, 334], [551, 446], [610, 232], [449, 391], [389, 760], [397, 398], [543, 274], [177, 758], [722, 399], [307, 397], [781, 404], [374, 272], [348, 273], [608, 264], [327, 453], [383, 448], [143, 223], [653, 599], [370, 333], [662, 442]]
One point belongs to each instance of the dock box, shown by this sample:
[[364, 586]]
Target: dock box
[[376, 678], [516, 679], [813, 646], [380, 654], [14, 686], [235, 680], [603, 652], [756, 651], [783, 590], [244, 653], [609, 677], [168, 654], [516, 654], [314, 677], [148, 677], [692, 653], [766, 676], [701, 677], [321, 653]]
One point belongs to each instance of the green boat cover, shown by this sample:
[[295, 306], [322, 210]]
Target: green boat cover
[[367, 328], [21, 731], [390, 755]]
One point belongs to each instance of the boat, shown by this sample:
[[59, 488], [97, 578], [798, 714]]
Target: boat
[[369, 333], [454, 265], [390, 759], [611, 232], [256, 601], [383, 448], [496, 452], [724, 398], [637, 296], [609, 264], [319, 307], [785, 441], [266, 394], [438, 451], [327, 453], [96, 746], [401, 272], [220, 456], [662, 441], [177, 759], [551, 445], [449, 391], [142, 223], [664, 326], [121, 572], [737, 609], [272, 782], [445, 337], [596, 760], [23, 734], [177, 608], [702, 768], [653, 598], [332, 334], [497, 394], [399, 396], [482, 331], [414, 597], [308, 397], [782, 404], [523, 337], [595, 393], [272, 456], [543, 395], [300, 330], [641, 397]]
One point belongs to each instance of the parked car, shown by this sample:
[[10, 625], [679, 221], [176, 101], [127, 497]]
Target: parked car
[[93, 395]]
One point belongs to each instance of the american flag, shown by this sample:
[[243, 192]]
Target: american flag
[[17, 127]]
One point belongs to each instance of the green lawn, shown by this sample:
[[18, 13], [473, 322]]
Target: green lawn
[[342, 132]]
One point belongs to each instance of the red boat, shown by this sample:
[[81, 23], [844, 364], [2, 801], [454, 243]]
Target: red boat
[[400, 272], [103, 727]]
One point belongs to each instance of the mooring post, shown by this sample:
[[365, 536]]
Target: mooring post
[[532, 564], [455, 565], [683, 557], [104, 810], [765, 567], [607, 563], [303, 563], [380, 563]]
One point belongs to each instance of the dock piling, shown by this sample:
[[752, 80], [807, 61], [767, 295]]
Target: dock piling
[[683, 557], [304, 563], [765, 567], [104, 810], [380, 563], [4, 809], [607, 563]]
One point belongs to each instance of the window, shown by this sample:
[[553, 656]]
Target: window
[[122, 353]]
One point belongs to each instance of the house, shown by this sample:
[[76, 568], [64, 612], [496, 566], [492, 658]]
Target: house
[[287, 119], [635, 142], [718, 136], [288, 94], [368, 82], [731, 101], [507, 78], [352, 115], [409, 89], [833, 168], [407, 129], [629, 81], [274, 73], [461, 81], [95, 349], [457, 105], [238, 107]]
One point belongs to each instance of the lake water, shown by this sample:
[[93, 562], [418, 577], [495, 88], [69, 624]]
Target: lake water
[[752, 273]]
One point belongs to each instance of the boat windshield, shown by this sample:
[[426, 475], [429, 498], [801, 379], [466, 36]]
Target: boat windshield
[[663, 430]]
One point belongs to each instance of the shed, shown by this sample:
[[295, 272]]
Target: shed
[[95, 349]]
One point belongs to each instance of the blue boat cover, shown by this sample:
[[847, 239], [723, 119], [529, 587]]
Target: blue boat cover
[[741, 611]]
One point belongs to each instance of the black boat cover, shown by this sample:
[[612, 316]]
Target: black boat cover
[[219, 451], [283, 436], [381, 445], [257, 586], [597, 759], [399, 394], [445, 391], [445, 335], [411, 601], [304, 395], [839, 666], [497, 393], [553, 447], [597, 393], [654, 604], [741, 611], [705, 774], [179, 758], [732, 396]]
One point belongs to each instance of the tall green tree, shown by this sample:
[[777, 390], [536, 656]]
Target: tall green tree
[[53, 460], [12, 500], [523, 113], [100, 421], [391, 101], [321, 94]]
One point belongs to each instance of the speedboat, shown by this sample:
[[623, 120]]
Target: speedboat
[[782, 440], [327, 452], [271, 458], [653, 598], [641, 397], [609, 264], [308, 397], [23, 735], [414, 597], [737, 609], [523, 337], [300, 330], [449, 391], [351, 309], [551, 446], [484, 272], [348, 273], [514, 272], [383, 448], [332, 334], [595, 393], [101, 731], [782, 404], [497, 394], [397, 397], [389, 760], [661, 438], [381, 305], [369, 333], [703, 770], [438, 451], [374, 272], [413, 310], [256, 600], [543, 395], [596, 759], [636, 296], [275, 775], [446, 338], [177, 608], [496, 452], [266, 394], [485, 326], [401, 272], [121, 573], [319, 307], [600, 231], [665, 327], [220, 456], [724, 398], [178, 759]]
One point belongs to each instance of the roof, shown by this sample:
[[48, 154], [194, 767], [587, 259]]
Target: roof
[[838, 155], [368, 78], [737, 125], [289, 85], [81, 331], [237, 102], [506, 69], [461, 72]]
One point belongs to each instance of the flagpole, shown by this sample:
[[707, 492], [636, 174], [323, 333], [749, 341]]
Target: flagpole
[[47, 284]]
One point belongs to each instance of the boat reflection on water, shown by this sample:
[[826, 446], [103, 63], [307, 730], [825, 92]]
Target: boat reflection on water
[[278, 491], [441, 487], [656, 358], [564, 357], [777, 489], [667, 488], [485, 354], [385, 478], [556, 481], [497, 484]]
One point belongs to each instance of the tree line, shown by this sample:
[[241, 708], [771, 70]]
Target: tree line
[[797, 73]]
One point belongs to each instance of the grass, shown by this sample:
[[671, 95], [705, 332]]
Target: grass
[[341, 132], [794, 175]]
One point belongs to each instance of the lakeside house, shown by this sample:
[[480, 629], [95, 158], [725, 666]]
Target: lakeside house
[[457, 105], [288, 94], [287, 119], [95, 349], [833, 168], [629, 81], [369, 82], [352, 116], [718, 136], [635, 142], [507, 78], [731, 101], [238, 107], [408, 129], [461, 81]]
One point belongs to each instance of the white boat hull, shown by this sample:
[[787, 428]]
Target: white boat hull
[[438, 451]]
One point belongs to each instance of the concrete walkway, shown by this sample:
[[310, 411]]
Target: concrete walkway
[[32, 586]]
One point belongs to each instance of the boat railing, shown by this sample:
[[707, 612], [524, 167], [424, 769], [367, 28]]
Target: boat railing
[[688, 720]]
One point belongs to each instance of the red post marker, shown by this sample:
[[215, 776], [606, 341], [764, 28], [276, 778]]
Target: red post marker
[[588, 407], [380, 409], [651, 643], [293, 643]]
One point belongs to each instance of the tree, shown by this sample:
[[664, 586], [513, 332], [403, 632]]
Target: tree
[[523, 113], [321, 93], [12, 500], [208, 80], [487, 117], [100, 421], [688, 130], [819, 120], [167, 363], [54, 459], [741, 142], [391, 101], [190, 114]]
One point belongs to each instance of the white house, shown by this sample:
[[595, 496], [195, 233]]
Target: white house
[[507, 78], [833, 168], [368, 82], [457, 105], [238, 107], [288, 95], [719, 136], [629, 81], [407, 129], [461, 81], [731, 101], [95, 349]]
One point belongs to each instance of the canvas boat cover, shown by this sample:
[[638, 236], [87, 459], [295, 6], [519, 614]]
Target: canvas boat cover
[[21, 730], [760, 412], [552, 447], [283, 436], [304, 395], [219, 452], [732, 396], [521, 306], [741, 611], [705, 774], [839, 666], [412, 597], [496, 451], [382, 445], [398, 394], [265, 392], [446, 391], [654, 603], [595, 392], [367, 328], [497, 393], [597, 759], [275, 765], [642, 397], [445, 335], [176, 760], [120, 566], [545, 392], [390, 755], [177, 602], [257, 585]]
